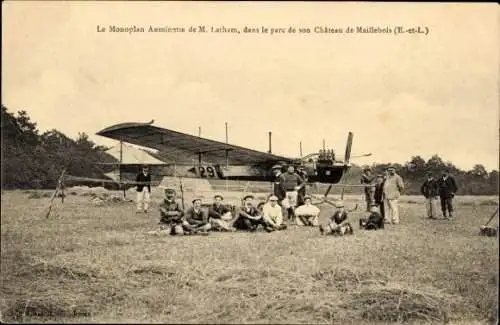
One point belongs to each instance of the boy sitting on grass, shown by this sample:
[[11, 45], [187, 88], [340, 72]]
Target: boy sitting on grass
[[339, 223]]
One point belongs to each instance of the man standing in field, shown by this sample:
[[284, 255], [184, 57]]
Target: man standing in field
[[430, 190], [277, 189], [290, 183], [143, 180], [302, 191], [447, 189], [393, 186], [379, 194], [367, 179]]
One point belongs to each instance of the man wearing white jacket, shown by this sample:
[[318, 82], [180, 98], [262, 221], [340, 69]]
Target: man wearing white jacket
[[393, 186], [272, 214], [307, 214]]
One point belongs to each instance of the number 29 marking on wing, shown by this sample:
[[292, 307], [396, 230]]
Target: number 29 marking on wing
[[207, 172]]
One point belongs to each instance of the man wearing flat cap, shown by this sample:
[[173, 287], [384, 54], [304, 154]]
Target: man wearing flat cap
[[393, 186], [219, 215], [338, 223], [197, 218], [367, 179], [447, 189], [430, 190], [272, 215], [171, 213], [277, 189], [248, 217], [290, 182]]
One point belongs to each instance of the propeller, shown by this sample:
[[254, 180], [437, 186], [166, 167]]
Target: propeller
[[348, 148]]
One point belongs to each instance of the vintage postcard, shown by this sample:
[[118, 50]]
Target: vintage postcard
[[249, 162]]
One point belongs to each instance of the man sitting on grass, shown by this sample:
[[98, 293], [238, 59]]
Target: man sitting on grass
[[374, 221], [307, 214], [247, 217], [197, 218], [171, 214], [272, 215], [339, 223], [220, 216]]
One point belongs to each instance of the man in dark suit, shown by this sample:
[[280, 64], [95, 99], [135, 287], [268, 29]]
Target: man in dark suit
[[379, 194], [277, 190], [143, 180], [430, 190], [447, 189], [367, 179], [302, 191]]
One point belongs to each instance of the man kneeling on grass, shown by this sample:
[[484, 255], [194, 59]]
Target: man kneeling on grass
[[339, 223], [197, 218], [272, 215], [220, 215], [307, 214]]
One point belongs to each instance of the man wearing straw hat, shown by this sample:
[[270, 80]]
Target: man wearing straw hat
[[143, 180], [393, 186]]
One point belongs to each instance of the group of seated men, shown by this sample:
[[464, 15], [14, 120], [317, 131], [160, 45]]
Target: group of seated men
[[219, 216], [289, 200]]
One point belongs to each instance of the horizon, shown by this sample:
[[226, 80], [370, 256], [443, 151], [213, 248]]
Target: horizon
[[439, 97], [113, 143]]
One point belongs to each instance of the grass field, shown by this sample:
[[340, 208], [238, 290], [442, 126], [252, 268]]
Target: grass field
[[91, 263]]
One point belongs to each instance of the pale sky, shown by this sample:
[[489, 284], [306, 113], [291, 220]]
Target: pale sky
[[401, 95]]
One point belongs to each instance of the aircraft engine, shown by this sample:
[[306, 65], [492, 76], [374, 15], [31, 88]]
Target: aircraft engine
[[326, 169]]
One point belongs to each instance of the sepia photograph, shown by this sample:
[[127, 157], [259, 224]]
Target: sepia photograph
[[250, 162]]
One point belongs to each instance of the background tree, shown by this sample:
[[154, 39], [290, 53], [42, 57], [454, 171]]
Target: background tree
[[31, 160]]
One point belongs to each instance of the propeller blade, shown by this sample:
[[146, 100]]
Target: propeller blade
[[348, 148]]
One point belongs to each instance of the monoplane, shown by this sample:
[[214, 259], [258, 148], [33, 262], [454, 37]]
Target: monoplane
[[189, 156]]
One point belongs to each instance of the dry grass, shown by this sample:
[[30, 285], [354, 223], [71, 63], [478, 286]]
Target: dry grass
[[92, 263]]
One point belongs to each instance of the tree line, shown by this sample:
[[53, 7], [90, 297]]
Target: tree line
[[33, 160]]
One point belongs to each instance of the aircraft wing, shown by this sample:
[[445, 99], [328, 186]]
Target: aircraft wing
[[177, 147]]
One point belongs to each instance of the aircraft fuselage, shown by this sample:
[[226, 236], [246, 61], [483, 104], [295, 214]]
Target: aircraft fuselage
[[331, 173]]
